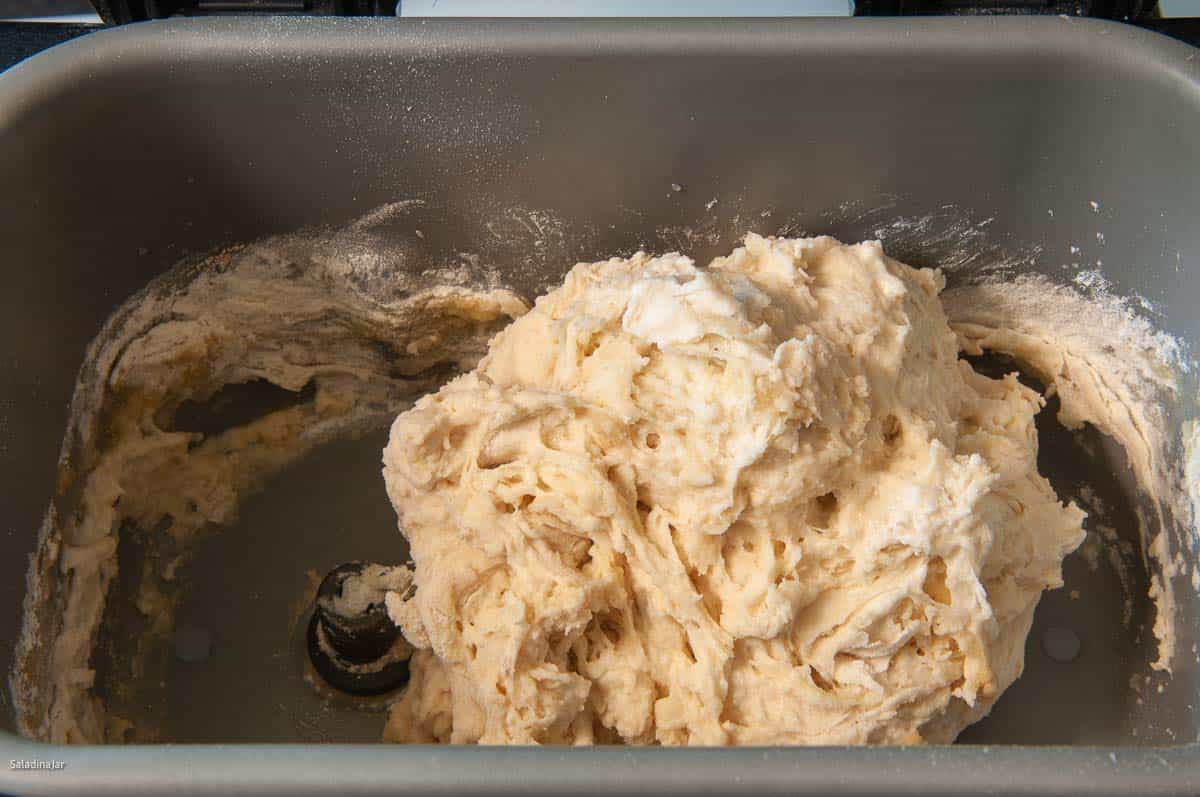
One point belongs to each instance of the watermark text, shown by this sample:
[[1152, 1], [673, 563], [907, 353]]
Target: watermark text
[[36, 763]]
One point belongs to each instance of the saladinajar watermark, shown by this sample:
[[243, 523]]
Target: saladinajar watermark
[[50, 764]]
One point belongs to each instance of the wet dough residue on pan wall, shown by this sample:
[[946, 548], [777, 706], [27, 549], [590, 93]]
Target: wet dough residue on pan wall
[[337, 322]]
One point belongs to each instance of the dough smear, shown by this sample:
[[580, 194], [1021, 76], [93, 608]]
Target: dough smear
[[762, 502]]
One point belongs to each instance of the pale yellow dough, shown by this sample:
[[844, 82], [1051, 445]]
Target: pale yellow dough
[[761, 502]]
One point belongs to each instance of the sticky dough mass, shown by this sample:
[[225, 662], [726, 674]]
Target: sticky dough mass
[[762, 502]]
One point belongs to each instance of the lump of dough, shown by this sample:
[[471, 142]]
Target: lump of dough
[[762, 502]]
